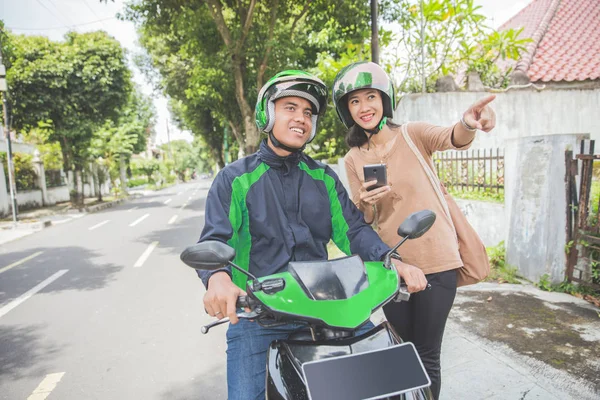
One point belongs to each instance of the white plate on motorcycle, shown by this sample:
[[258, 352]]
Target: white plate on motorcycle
[[370, 375]]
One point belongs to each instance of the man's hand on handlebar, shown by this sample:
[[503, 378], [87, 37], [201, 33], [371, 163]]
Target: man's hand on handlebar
[[413, 277], [221, 297]]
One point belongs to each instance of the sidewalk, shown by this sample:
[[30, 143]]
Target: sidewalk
[[31, 221], [518, 342]]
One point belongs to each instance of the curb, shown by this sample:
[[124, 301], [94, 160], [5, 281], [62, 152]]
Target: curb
[[102, 206]]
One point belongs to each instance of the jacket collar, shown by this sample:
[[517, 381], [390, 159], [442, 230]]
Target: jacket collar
[[269, 157]]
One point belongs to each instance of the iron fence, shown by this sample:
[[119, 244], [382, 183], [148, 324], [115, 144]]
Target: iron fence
[[54, 178], [471, 170], [582, 222]]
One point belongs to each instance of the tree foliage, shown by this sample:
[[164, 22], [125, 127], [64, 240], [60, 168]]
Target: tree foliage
[[74, 86], [213, 69], [446, 37]]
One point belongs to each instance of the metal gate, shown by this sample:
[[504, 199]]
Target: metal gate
[[583, 223]]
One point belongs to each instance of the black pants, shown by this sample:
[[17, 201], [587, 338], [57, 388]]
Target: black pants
[[422, 321]]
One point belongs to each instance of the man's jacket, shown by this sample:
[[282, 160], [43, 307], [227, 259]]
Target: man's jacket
[[274, 210]]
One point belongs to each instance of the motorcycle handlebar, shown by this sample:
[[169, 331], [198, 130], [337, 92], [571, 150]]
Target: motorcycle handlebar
[[242, 302]]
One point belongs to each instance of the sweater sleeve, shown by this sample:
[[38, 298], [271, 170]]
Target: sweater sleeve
[[217, 224], [351, 233], [434, 138], [355, 185]]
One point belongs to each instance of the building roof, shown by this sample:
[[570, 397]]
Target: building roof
[[566, 40]]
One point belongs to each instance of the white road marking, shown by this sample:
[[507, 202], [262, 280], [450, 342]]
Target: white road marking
[[145, 255], [178, 193], [168, 201], [4, 310], [183, 206], [173, 218], [131, 209], [46, 386], [140, 219], [189, 198], [91, 228], [21, 261]]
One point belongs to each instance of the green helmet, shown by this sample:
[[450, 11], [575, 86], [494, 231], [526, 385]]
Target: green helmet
[[285, 84], [362, 75]]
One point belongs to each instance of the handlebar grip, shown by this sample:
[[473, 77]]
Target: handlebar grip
[[242, 302]]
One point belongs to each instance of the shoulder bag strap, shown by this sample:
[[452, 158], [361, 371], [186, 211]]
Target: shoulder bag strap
[[433, 179]]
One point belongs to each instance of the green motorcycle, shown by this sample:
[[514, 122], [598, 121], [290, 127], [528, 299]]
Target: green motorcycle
[[333, 299]]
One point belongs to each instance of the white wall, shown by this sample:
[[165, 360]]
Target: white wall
[[518, 113], [29, 198], [488, 219], [58, 194]]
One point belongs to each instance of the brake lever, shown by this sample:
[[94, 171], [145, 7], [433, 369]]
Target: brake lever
[[404, 295], [242, 315]]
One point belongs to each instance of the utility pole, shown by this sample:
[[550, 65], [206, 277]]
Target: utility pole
[[374, 33], [423, 78], [11, 170], [169, 140], [225, 146]]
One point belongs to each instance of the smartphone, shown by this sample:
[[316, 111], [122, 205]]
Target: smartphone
[[375, 172]]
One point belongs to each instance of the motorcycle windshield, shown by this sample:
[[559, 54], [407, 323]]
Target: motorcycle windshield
[[341, 295], [330, 280]]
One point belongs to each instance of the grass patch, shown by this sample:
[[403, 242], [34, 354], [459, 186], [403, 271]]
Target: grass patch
[[488, 195], [581, 291], [500, 271]]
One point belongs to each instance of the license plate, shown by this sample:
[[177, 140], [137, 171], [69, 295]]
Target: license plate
[[370, 375]]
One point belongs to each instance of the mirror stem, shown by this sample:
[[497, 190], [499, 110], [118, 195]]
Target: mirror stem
[[388, 256], [243, 271]]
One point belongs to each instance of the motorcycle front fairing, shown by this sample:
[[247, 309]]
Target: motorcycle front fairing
[[285, 379], [336, 294]]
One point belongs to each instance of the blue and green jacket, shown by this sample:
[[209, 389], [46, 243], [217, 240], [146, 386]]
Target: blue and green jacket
[[273, 210]]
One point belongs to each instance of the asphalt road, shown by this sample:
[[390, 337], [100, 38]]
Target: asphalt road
[[102, 307]]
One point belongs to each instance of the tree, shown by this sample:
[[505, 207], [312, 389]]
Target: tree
[[441, 37], [184, 158], [146, 166], [117, 141], [74, 86], [255, 39]]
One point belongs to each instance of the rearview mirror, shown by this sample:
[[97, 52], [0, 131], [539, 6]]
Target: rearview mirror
[[416, 224], [209, 255]]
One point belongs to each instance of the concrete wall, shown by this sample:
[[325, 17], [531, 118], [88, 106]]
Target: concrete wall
[[519, 113], [29, 199], [58, 195], [536, 205], [17, 147], [488, 219]]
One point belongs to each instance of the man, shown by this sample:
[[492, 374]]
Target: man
[[275, 206]]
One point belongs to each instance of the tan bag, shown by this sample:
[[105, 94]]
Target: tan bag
[[476, 264]]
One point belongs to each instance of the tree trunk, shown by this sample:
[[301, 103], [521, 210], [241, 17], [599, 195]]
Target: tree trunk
[[122, 175], [97, 182], [79, 196]]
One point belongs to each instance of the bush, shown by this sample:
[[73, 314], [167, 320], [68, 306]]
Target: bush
[[500, 271], [25, 175], [136, 182]]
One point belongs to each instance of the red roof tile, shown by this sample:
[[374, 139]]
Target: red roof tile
[[566, 39]]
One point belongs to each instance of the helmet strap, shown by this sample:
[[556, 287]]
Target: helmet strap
[[375, 131], [280, 145]]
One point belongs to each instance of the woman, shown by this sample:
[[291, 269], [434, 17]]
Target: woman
[[364, 100]]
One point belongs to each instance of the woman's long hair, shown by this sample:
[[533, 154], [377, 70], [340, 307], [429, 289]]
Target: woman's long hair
[[357, 136]]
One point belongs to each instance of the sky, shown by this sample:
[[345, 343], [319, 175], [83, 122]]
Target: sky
[[53, 18]]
